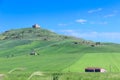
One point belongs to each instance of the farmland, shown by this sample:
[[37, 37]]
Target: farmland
[[58, 55], [108, 61]]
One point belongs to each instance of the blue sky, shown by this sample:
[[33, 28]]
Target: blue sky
[[97, 20]]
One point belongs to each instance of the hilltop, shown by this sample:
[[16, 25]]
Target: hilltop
[[31, 33], [35, 34]]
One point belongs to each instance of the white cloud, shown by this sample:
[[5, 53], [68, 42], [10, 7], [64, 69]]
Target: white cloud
[[70, 32], [109, 15], [110, 35], [95, 10], [95, 36], [62, 24], [114, 13], [82, 21]]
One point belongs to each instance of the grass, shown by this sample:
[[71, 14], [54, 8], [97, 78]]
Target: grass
[[68, 66], [63, 76], [41, 62], [108, 61], [59, 56]]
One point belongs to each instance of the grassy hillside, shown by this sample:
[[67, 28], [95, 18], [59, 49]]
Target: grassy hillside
[[56, 53], [32, 34]]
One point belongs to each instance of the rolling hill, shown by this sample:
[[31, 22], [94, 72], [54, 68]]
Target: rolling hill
[[54, 52]]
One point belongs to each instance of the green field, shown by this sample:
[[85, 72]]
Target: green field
[[58, 55], [108, 61], [63, 56], [66, 58]]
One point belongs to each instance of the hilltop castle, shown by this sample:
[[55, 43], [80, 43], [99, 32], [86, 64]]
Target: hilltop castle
[[35, 26]]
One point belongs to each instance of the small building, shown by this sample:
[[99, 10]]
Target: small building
[[35, 26], [92, 69], [33, 53]]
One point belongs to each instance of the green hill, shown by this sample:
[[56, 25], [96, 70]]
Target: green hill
[[54, 52], [32, 34]]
